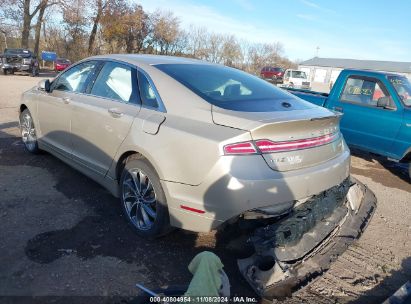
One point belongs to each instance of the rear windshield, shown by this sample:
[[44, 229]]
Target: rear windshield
[[227, 87], [298, 74]]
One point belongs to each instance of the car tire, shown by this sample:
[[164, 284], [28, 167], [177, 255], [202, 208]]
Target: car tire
[[409, 171], [28, 132], [142, 198], [33, 72], [4, 71]]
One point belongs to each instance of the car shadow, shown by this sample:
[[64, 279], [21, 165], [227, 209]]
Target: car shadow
[[388, 286], [44, 73], [375, 161], [105, 231]]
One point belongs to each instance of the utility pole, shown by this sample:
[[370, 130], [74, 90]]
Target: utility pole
[[317, 50]]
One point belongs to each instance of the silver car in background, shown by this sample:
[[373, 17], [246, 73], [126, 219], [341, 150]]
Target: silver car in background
[[185, 143]]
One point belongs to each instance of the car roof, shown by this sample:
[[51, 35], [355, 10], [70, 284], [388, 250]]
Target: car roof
[[139, 59], [372, 72], [17, 50]]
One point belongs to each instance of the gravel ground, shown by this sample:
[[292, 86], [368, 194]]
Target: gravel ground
[[62, 235]]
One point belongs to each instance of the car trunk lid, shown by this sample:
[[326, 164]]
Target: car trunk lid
[[288, 139]]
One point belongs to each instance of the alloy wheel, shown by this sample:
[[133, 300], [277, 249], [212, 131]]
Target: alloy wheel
[[28, 132], [139, 199]]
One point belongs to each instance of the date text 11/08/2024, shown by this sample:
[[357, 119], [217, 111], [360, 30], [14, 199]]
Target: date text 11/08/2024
[[202, 299]]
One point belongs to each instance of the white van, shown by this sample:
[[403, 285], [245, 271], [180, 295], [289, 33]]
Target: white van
[[296, 79]]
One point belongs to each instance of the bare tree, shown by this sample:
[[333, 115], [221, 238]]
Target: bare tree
[[197, 42], [43, 6], [231, 51], [98, 6], [75, 21], [3, 32], [166, 32], [28, 15], [262, 54], [125, 28], [87, 27]]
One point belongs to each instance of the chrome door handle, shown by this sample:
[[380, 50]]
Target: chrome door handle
[[115, 112], [339, 109], [66, 100]]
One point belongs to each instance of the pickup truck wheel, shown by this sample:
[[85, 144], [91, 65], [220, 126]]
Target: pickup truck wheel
[[4, 72], [143, 200], [28, 132]]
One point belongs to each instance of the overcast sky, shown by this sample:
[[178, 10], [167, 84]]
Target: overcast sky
[[360, 29]]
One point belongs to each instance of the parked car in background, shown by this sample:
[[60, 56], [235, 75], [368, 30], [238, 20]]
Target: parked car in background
[[377, 111], [19, 60], [296, 79], [61, 64], [272, 73]]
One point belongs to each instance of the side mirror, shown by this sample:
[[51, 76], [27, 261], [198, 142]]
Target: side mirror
[[385, 102], [44, 85]]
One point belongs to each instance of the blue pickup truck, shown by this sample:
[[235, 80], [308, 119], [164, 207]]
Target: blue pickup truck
[[376, 108]]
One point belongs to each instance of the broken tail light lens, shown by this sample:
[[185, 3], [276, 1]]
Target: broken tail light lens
[[268, 146]]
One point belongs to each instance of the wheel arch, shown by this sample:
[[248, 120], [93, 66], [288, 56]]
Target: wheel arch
[[407, 157], [124, 156], [22, 107], [121, 162]]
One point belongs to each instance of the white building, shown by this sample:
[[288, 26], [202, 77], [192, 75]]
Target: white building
[[324, 71]]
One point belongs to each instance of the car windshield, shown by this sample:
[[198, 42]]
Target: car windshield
[[64, 61], [298, 74], [227, 87], [403, 87], [16, 52]]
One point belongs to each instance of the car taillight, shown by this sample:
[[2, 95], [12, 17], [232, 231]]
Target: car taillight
[[240, 148], [268, 146]]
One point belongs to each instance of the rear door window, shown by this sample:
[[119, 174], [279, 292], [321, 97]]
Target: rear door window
[[76, 78], [114, 82], [364, 91], [148, 94]]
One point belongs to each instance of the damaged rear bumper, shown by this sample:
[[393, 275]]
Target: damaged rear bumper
[[295, 250]]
